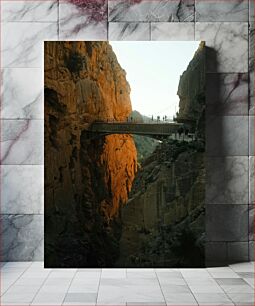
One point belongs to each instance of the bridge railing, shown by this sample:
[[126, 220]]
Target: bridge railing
[[136, 128]]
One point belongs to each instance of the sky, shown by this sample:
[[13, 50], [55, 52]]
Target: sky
[[153, 71]]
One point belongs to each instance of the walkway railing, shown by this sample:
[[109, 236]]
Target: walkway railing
[[150, 129]]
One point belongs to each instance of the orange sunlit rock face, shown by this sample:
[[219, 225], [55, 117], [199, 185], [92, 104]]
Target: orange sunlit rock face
[[85, 176]]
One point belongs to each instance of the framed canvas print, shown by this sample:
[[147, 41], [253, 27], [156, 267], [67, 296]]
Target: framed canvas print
[[124, 154]]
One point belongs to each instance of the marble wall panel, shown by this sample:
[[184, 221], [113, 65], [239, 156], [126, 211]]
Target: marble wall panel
[[227, 94], [31, 11], [215, 252], [22, 237], [22, 189], [22, 43], [75, 23], [251, 180], [251, 222], [234, 10], [251, 135], [227, 180], [21, 142], [22, 93], [251, 68], [153, 10], [251, 10], [227, 135], [227, 223], [172, 31], [251, 250], [129, 31], [228, 43], [237, 251]]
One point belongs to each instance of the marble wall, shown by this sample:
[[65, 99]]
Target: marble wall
[[228, 29]]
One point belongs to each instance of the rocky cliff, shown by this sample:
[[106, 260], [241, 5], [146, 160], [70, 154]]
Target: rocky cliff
[[87, 178], [191, 92], [163, 221]]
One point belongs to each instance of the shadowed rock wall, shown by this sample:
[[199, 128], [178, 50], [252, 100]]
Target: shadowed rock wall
[[163, 221]]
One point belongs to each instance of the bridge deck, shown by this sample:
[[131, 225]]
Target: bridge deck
[[135, 128]]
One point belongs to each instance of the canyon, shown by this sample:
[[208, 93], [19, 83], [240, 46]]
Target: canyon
[[163, 221], [118, 200]]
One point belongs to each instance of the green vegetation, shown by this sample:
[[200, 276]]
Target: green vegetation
[[145, 146]]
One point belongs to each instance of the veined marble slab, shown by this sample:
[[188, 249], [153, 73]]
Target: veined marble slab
[[22, 189], [213, 10], [227, 180], [227, 94], [251, 69], [22, 237], [75, 23], [251, 180], [129, 31], [228, 43], [227, 135], [153, 10], [23, 10], [22, 142], [22, 93], [172, 31], [22, 43], [251, 136]]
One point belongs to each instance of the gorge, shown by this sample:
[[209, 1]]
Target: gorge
[[118, 200]]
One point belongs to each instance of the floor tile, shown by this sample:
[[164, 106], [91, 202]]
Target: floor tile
[[81, 297], [180, 299], [195, 273], [113, 273], [250, 281], [242, 299], [138, 273], [175, 289], [146, 303], [88, 274], [237, 289], [171, 281], [17, 297], [44, 298], [111, 295], [213, 299], [84, 285], [142, 287], [222, 272], [230, 281], [206, 289]]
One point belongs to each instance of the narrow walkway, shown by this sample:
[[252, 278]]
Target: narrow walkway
[[27, 283], [148, 129]]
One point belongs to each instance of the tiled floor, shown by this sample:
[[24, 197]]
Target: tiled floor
[[28, 283]]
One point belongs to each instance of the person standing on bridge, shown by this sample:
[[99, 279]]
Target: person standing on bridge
[[152, 118]]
